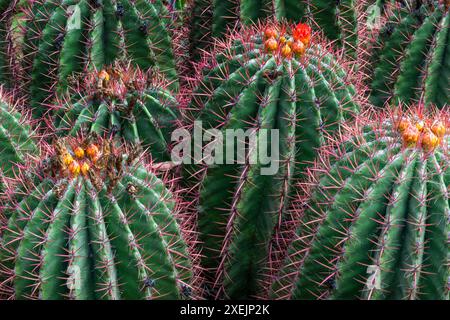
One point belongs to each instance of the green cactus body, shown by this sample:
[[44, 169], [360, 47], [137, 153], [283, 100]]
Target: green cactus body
[[247, 88], [66, 37], [5, 72], [412, 61], [211, 18], [144, 116], [107, 233], [16, 142], [376, 224]]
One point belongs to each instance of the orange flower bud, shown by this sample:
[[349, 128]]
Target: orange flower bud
[[403, 124], [75, 168], [411, 136], [298, 48], [85, 168], [67, 159], [79, 152], [103, 75], [92, 151], [286, 51], [271, 44], [438, 129], [270, 32], [429, 141], [420, 125], [302, 32]]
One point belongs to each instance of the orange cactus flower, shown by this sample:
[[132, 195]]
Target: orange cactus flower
[[67, 159], [420, 125], [403, 124], [302, 32]]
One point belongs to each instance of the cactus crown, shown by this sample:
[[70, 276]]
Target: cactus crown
[[375, 222], [213, 19]]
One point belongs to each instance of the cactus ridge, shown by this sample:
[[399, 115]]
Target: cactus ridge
[[61, 38], [123, 102], [375, 224], [412, 59], [107, 231], [306, 98]]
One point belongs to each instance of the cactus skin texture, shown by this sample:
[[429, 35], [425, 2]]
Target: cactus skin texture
[[121, 101], [99, 225], [5, 45], [211, 18], [412, 61], [376, 222], [66, 37], [306, 97], [16, 139]]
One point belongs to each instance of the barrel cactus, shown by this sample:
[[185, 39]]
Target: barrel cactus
[[211, 18], [16, 140], [411, 61], [376, 222], [98, 224], [271, 77], [61, 38], [124, 102]]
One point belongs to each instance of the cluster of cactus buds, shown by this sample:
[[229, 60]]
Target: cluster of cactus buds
[[423, 133], [287, 45], [84, 159], [114, 233], [292, 184], [93, 157]]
